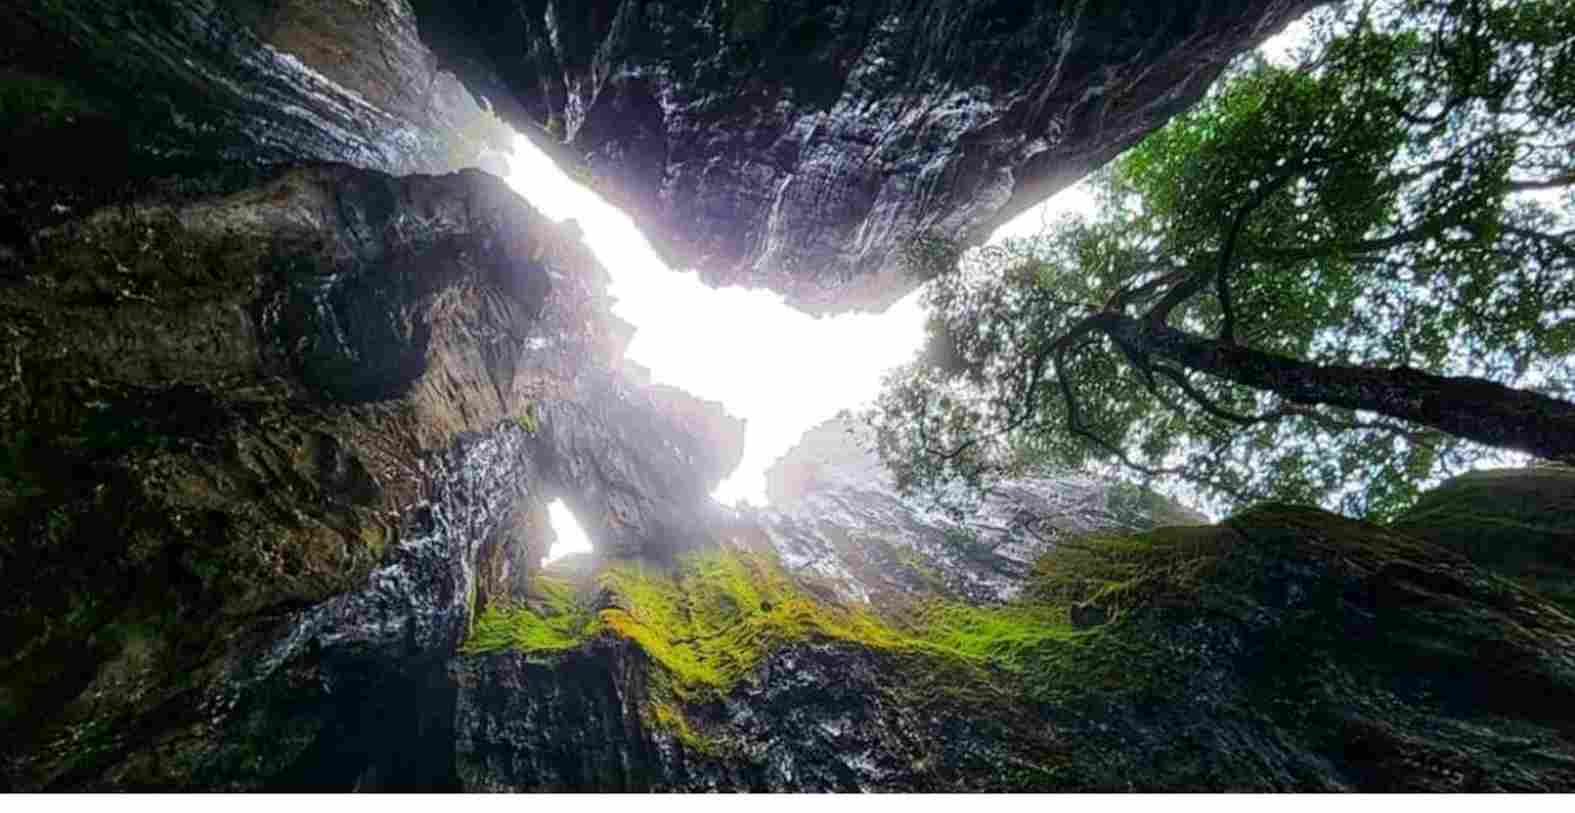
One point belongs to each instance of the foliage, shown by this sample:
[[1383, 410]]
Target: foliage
[[1399, 201]]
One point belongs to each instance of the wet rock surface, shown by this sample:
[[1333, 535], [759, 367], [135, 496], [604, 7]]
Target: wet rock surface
[[798, 145], [1283, 649], [278, 438], [132, 86], [836, 514], [273, 438]]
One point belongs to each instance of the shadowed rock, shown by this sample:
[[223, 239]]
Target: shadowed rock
[[797, 145]]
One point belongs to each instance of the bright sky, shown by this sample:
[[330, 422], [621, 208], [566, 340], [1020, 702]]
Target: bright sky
[[778, 368]]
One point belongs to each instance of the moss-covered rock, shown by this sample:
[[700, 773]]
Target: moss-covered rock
[[1517, 522], [1285, 648], [225, 398]]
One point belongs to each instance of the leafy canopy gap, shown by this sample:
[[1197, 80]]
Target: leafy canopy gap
[[1333, 282]]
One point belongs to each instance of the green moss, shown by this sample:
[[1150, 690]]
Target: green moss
[[1514, 522], [553, 618], [671, 718], [527, 419], [712, 618]]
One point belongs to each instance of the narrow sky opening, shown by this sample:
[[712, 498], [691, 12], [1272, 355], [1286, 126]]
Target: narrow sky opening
[[571, 537], [780, 369]]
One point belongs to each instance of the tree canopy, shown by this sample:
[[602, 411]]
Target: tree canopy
[[1332, 281]]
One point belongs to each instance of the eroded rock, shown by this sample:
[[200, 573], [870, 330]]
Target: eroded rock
[[837, 514], [273, 439], [130, 85], [798, 145], [1283, 649]]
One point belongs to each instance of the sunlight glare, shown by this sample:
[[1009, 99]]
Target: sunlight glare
[[571, 537], [781, 370], [778, 368]]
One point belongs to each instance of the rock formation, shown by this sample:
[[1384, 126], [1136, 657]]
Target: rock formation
[[279, 420], [131, 86], [1283, 649], [272, 440], [797, 145], [836, 515], [789, 145]]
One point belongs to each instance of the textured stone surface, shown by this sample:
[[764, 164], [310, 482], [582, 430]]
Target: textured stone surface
[[1283, 649], [837, 514], [796, 145], [815, 719], [273, 438], [122, 85], [1511, 521]]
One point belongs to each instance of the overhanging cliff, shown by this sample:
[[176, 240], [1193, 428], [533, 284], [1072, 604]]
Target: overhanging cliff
[[788, 145], [797, 145]]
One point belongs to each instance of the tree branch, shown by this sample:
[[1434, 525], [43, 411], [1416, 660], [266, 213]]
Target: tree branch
[[1555, 182], [1211, 407], [1472, 408], [1160, 313]]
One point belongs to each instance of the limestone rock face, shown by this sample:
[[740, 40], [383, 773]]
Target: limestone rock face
[[796, 145], [272, 439], [837, 514]]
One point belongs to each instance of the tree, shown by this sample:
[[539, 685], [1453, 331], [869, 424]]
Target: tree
[[1330, 282]]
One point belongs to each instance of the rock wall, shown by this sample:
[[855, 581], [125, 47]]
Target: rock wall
[[797, 145], [790, 145], [132, 86], [836, 514], [272, 439], [278, 437], [1282, 649], [271, 502]]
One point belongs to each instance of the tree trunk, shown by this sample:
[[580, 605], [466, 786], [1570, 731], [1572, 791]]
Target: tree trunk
[[1471, 408]]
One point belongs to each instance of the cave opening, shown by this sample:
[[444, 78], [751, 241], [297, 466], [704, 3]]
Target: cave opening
[[571, 539]]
